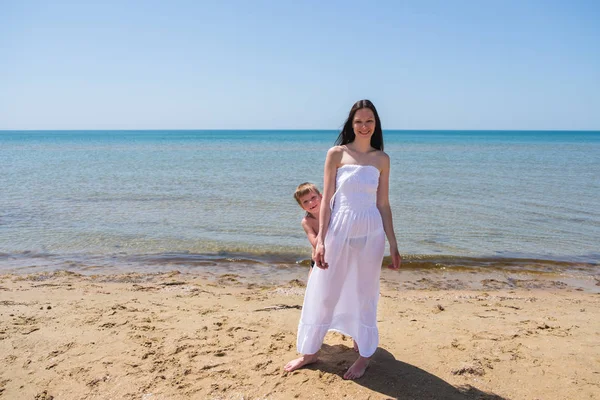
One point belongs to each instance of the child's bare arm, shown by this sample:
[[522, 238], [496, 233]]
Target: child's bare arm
[[311, 234]]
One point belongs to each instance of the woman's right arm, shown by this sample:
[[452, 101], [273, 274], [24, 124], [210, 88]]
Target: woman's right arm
[[332, 161]]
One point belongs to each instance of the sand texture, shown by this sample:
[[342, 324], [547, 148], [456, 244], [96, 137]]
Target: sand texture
[[179, 336]]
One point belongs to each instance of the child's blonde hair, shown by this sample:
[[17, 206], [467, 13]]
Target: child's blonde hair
[[304, 189]]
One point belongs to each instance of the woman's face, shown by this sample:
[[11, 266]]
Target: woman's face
[[364, 123]]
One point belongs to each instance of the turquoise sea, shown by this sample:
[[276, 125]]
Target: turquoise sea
[[143, 200]]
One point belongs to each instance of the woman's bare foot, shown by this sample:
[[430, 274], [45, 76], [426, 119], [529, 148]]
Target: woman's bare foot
[[355, 346], [357, 369], [300, 362]]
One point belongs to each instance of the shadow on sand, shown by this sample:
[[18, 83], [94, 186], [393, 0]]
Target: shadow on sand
[[394, 378]]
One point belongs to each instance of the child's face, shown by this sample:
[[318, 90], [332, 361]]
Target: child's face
[[311, 202]]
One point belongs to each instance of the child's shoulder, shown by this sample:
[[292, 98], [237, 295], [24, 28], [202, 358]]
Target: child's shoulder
[[309, 221], [308, 218]]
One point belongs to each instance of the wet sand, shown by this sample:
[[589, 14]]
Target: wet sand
[[181, 336]]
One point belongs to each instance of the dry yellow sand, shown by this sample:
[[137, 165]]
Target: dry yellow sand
[[176, 336]]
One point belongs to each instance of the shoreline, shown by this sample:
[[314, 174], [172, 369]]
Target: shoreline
[[174, 335], [507, 272]]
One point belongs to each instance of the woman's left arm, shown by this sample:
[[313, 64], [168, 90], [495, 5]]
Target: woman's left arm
[[383, 204]]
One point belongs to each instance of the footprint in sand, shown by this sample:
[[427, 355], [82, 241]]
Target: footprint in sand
[[3, 385], [44, 396]]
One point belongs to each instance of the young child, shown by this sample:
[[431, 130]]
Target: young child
[[309, 198]]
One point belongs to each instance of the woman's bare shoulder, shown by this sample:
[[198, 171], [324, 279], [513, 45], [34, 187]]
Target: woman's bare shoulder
[[382, 160], [380, 154], [336, 150], [335, 154]]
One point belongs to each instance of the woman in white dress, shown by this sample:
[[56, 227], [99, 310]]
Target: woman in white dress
[[355, 218]]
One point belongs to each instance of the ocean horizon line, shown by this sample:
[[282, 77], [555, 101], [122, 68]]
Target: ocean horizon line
[[297, 130]]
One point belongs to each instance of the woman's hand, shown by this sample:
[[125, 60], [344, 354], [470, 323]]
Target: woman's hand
[[320, 256], [396, 258]]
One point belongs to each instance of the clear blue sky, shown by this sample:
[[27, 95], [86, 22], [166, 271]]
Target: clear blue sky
[[293, 64]]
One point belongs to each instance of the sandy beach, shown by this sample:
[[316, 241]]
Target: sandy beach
[[182, 336]]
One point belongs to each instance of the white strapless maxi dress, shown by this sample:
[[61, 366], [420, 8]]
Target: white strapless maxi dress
[[344, 297]]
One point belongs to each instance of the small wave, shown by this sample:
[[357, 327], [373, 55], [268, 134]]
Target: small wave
[[517, 264], [259, 260]]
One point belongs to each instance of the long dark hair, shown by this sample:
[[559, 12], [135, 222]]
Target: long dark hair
[[347, 134]]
